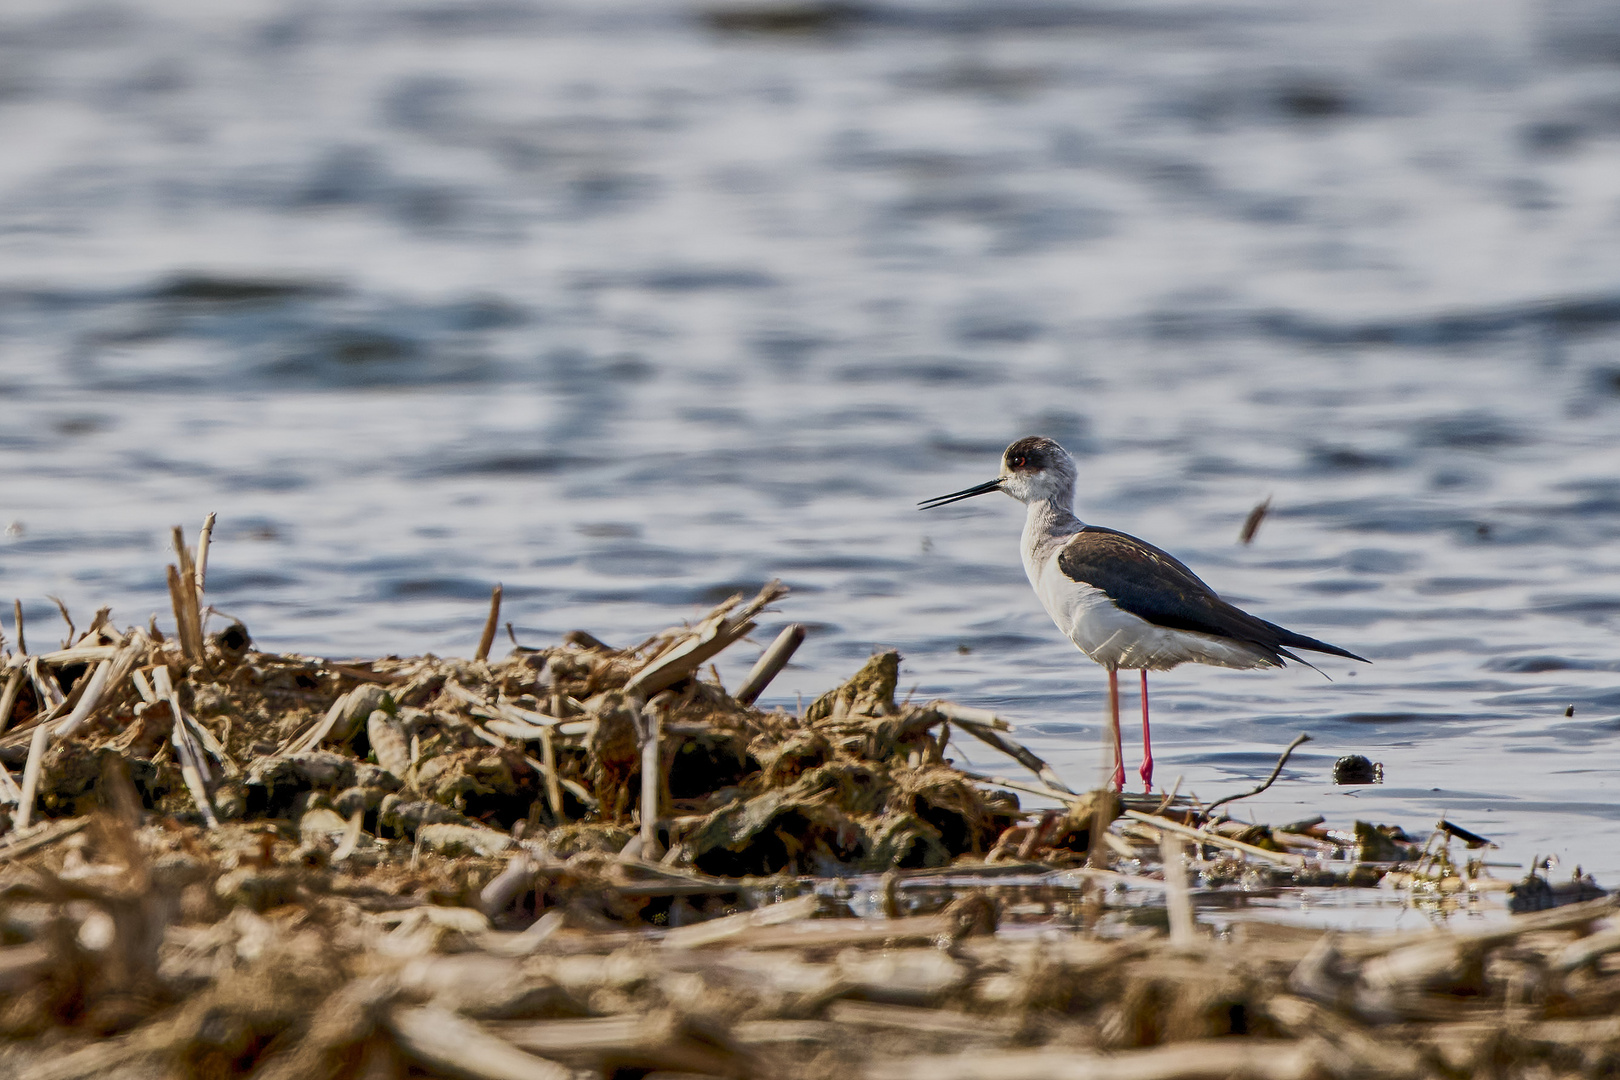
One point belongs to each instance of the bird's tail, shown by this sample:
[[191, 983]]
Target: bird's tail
[[1290, 640]]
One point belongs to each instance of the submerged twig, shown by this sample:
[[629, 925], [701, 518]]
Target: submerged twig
[[1276, 771]]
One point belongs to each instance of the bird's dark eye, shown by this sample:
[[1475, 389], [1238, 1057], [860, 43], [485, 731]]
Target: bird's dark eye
[[1018, 462]]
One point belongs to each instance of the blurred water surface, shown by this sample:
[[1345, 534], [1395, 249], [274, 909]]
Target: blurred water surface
[[630, 305]]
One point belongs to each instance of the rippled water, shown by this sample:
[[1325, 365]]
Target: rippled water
[[628, 306]]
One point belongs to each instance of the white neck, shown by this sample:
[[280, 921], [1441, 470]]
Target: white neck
[[1048, 523]]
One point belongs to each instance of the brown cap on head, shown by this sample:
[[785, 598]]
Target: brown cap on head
[[1032, 453]]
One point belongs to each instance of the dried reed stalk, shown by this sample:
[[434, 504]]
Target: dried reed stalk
[[708, 639], [1166, 825], [192, 769], [444, 1040], [1018, 753], [1177, 896], [770, 663], [30, 784], [10, 793], [548, 757], [203, 540], [87, 703], [651, 777], [8, 696], [185, 601], [490, 624]]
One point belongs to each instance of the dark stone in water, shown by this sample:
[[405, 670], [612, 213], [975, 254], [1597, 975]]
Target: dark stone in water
[[1355, 769]]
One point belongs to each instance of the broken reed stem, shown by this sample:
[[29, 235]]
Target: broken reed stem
[[650, 779], [490, 624], [192, 769], [203, 540], [1177, 897], [31, 771], [1001, 781], [67, 642], [87, 704], [548, 755], [723, 627], [1166, 825], [22, 647], [1020, 754], [188, 612], [8, 696], [770, 663], [447, 1041], [187, 616], [1275, 772], [45, 688], [9, 791]]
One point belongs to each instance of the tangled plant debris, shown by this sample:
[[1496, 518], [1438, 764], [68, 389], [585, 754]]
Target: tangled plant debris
[[584, 861]]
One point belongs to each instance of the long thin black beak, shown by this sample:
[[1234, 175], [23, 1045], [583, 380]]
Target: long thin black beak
[[957, 496]]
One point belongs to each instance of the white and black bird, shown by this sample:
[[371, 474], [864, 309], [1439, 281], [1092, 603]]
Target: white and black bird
[[1122, 601]]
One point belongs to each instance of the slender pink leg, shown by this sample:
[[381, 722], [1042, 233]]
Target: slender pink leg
[[1147, 739], [1113, 728]]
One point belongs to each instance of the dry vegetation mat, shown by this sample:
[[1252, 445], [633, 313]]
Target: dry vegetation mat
[[587, 861]]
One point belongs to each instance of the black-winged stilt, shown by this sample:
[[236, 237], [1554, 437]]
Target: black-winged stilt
[[1122, 601]]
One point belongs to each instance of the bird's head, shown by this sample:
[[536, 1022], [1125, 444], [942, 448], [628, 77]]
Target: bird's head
[[1033, 468]]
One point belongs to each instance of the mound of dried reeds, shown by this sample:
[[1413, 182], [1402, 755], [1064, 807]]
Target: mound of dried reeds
[[588, 861]]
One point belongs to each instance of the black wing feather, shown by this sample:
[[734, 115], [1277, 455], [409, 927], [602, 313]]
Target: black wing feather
[[1158, 588]]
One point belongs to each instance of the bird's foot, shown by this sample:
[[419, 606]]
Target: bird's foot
[[1119, 777], [1147, 773]]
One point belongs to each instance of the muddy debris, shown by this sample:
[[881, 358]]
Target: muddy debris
[[588, 861]]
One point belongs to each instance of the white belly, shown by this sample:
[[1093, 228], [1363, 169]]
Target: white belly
[[1118, 639]]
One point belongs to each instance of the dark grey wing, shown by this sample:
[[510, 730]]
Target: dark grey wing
[[1156, 587]]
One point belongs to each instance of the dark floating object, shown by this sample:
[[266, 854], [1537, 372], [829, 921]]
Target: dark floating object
[[1472, 839], [780, 18], [1356, 769], [1251, 524], [1569, 710], [582, 639], [1535, 893]]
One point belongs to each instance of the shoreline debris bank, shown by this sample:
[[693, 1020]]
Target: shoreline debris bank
[[221, 862]]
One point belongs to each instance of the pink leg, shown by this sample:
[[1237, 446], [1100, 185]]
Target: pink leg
[[1147, 739], [1113, 727]]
